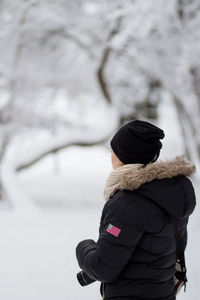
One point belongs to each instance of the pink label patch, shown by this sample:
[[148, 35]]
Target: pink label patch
[[113, 230]]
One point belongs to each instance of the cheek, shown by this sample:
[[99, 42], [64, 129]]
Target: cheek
[[112, 159]]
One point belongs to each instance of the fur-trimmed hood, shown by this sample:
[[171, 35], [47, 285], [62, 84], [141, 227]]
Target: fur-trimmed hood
[[133, 176]]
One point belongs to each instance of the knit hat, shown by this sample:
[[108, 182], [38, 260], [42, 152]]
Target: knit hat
[[137, 142]]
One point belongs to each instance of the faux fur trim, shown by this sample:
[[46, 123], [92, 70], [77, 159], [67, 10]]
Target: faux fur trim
[[132, 176]]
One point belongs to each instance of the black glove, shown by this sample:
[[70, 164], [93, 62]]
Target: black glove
[[85, 244], [84, 279]]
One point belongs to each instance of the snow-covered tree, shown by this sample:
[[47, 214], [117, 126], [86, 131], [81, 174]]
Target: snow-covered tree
[[64, 62]]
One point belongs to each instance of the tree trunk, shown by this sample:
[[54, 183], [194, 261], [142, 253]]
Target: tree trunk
[[189, 132], [2, 153]]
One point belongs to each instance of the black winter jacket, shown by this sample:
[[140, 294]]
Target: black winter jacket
[[135, 254]]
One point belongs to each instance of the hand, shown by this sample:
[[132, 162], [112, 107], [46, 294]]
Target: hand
[[84, 244]]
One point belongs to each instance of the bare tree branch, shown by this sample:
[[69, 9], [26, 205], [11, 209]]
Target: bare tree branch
[[70, 36], [4, 147], [104, 60], [180, 10], [2, 152], [182, 117], [56, 149]]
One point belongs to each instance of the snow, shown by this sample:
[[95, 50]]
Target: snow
[[173, 144], [38, 254], [59, 204], [74, 179], [38, 241]]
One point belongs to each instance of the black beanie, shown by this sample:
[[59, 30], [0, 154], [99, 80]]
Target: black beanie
[[137, 142]]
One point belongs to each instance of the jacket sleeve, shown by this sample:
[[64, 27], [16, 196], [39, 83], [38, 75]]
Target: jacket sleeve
[[183, 231], [124, 225]]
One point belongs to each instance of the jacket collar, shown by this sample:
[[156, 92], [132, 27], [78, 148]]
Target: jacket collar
[[132, 176]]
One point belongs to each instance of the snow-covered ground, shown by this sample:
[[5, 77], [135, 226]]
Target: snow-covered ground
[[38, 254], [38, 245], [62, 203]]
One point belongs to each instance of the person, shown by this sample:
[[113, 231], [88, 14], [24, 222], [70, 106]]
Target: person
[[135, 255]]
